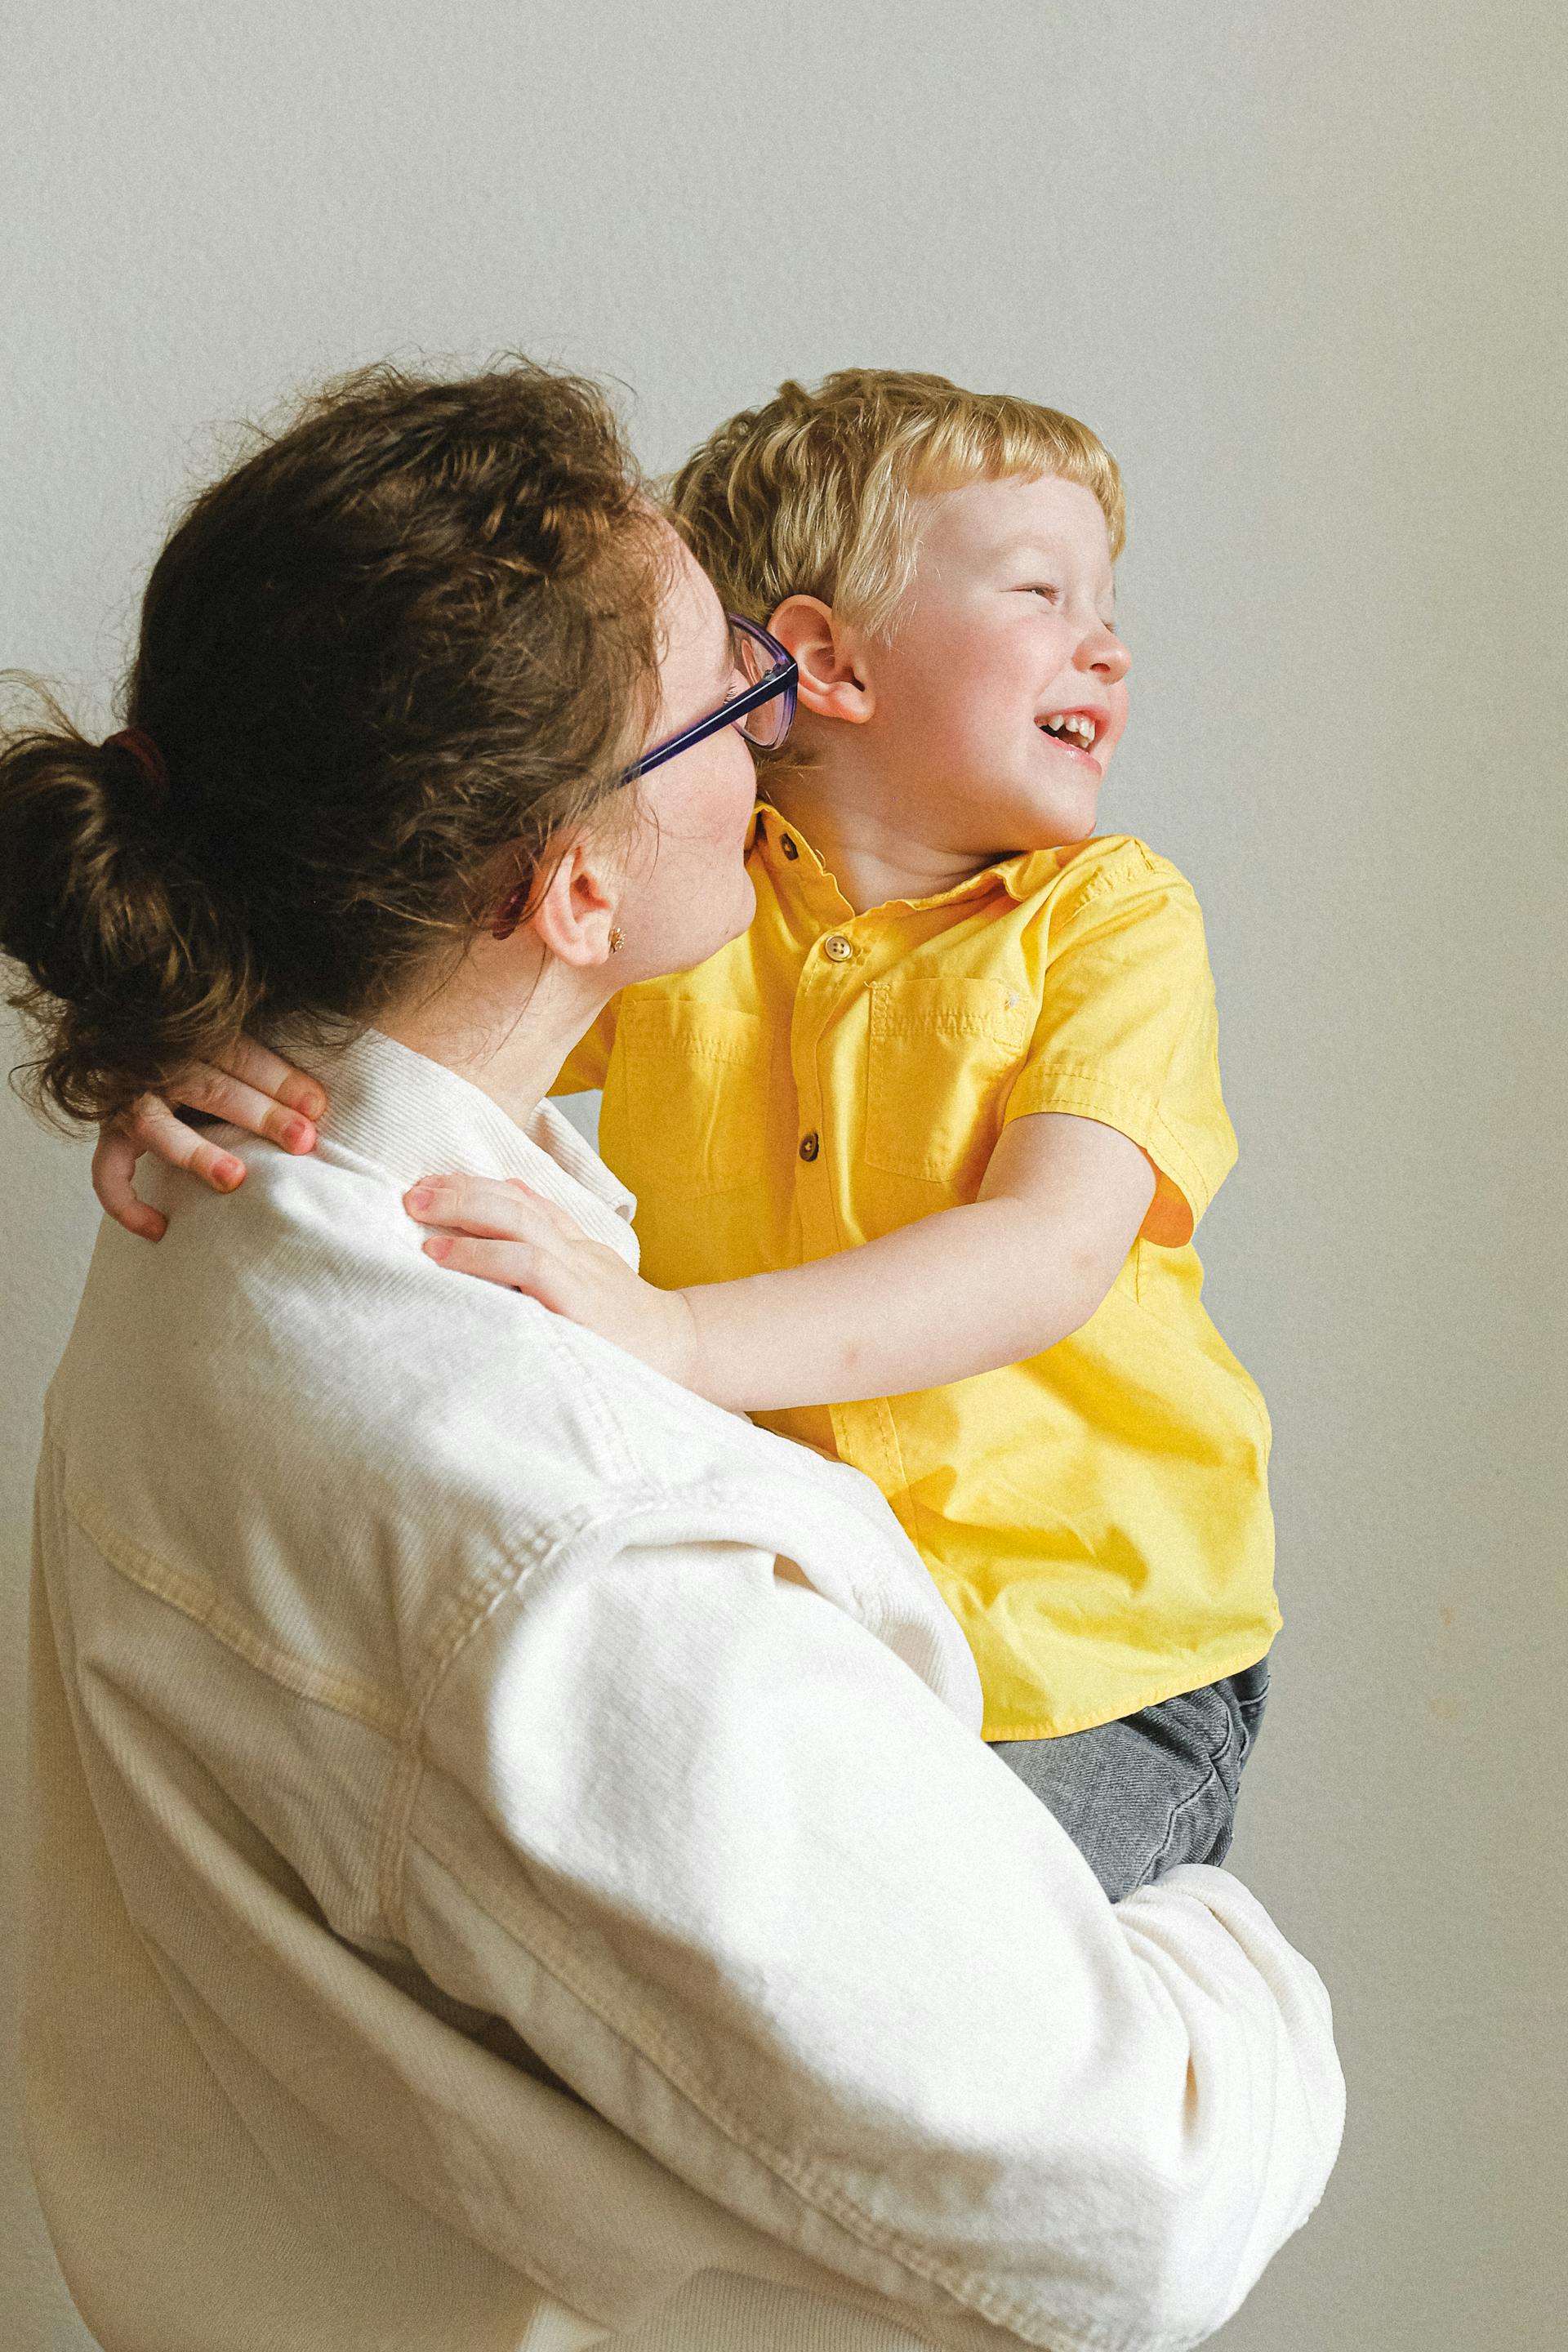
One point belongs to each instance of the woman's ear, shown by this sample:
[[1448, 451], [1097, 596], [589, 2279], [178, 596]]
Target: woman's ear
[[834, 679], [575, 912]]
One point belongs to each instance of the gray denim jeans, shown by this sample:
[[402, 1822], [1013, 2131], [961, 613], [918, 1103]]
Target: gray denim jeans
[[1154, 1789]]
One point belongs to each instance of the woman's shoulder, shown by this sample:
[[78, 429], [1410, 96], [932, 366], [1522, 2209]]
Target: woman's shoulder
[[296, 1433], [306, 1432], [290, 1350]]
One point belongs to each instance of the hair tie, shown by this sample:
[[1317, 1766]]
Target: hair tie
[[140, 747]]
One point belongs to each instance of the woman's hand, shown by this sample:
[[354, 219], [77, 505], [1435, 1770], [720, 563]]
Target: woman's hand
[[255, 1090], [507, 1234]]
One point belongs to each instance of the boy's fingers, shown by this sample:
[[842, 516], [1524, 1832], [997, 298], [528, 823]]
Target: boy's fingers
[[257, 1067], [550, 1210], [113, 1167], [220, 1171], [151, 1126], [515, 1265], [472, 1204], [242, 1105]]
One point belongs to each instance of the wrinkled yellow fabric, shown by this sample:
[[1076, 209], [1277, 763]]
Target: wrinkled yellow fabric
[[1097, 1517]]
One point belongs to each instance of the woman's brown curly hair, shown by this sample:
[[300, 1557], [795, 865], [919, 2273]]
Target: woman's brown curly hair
[[386, 662]]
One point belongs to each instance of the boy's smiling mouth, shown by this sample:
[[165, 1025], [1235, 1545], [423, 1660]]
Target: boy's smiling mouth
[[1074, 730]]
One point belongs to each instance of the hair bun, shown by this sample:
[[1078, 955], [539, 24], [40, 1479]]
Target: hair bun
[[129, 972]]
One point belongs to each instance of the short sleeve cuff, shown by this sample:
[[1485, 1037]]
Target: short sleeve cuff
[[1196, 1174]]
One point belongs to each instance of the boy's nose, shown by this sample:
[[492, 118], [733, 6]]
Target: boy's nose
[[1104, 652]]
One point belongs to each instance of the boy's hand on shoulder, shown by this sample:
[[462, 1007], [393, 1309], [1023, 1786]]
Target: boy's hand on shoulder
[[504, 1234], [250, 1087]]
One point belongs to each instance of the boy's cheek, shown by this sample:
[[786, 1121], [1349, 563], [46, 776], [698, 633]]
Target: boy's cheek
[[1111, 733]]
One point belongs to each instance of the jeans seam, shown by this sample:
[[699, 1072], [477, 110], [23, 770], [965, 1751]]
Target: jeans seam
[[1179, 1808], [1230, 1742]]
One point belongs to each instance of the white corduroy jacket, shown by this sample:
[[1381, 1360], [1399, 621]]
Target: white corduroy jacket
[[514, 1866]]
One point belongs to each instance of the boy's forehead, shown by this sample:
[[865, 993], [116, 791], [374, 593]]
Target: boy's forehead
[[1017, 513]]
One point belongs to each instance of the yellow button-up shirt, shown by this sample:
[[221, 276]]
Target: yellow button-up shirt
[[1097, 1516]]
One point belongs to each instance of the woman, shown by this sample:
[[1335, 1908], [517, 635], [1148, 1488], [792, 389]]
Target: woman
[[514, 1862]]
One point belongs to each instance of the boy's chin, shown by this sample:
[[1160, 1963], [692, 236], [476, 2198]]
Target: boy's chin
[[1061, 829], [1017, 812]]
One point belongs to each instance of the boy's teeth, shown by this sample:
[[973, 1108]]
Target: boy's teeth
[[1071, 725]]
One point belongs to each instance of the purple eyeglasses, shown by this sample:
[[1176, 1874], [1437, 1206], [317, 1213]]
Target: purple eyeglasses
[[763, 711]]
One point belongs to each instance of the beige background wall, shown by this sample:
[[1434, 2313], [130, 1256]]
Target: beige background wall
[[1302, 268]]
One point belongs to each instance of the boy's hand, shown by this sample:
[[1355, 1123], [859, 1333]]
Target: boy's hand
[[255, 1090], [507, 1234]]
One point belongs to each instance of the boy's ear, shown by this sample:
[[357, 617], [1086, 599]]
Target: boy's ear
[[833, 681]]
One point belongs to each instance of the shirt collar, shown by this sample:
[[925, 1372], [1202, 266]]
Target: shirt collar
[[1021, 876], [416, 1118]]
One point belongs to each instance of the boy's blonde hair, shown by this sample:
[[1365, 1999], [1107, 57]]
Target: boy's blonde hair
[[811, 494]]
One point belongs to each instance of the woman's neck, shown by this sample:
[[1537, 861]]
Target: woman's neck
[[505, 1021]]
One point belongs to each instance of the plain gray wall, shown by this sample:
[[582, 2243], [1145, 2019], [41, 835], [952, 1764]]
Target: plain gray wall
[[1302, 268]]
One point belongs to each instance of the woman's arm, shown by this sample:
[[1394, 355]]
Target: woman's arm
[[738, 1875], [962, 1291]]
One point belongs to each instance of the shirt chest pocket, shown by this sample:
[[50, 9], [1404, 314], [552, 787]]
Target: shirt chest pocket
[[697, 1097], [942, 1056]]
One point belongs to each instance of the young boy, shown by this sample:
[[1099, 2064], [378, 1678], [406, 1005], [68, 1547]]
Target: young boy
[[919, 1158]]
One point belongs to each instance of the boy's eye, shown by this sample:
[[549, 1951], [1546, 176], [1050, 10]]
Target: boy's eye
[[1043, 588]]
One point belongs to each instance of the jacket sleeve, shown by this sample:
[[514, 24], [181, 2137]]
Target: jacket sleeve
[[773, 1911]]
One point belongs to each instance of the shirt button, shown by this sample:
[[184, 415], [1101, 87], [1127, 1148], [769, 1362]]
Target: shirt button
[[810, 1145], [787, 845], [837, 946]]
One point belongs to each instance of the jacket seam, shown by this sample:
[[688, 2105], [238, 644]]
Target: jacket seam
[[344, 1694], [403, 1790], [485, 1597], [610, 1426]]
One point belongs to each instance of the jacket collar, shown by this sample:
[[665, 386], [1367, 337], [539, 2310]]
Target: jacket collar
[[414, 1117]]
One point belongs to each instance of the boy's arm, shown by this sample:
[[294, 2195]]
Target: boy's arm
[[962, 1291]]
